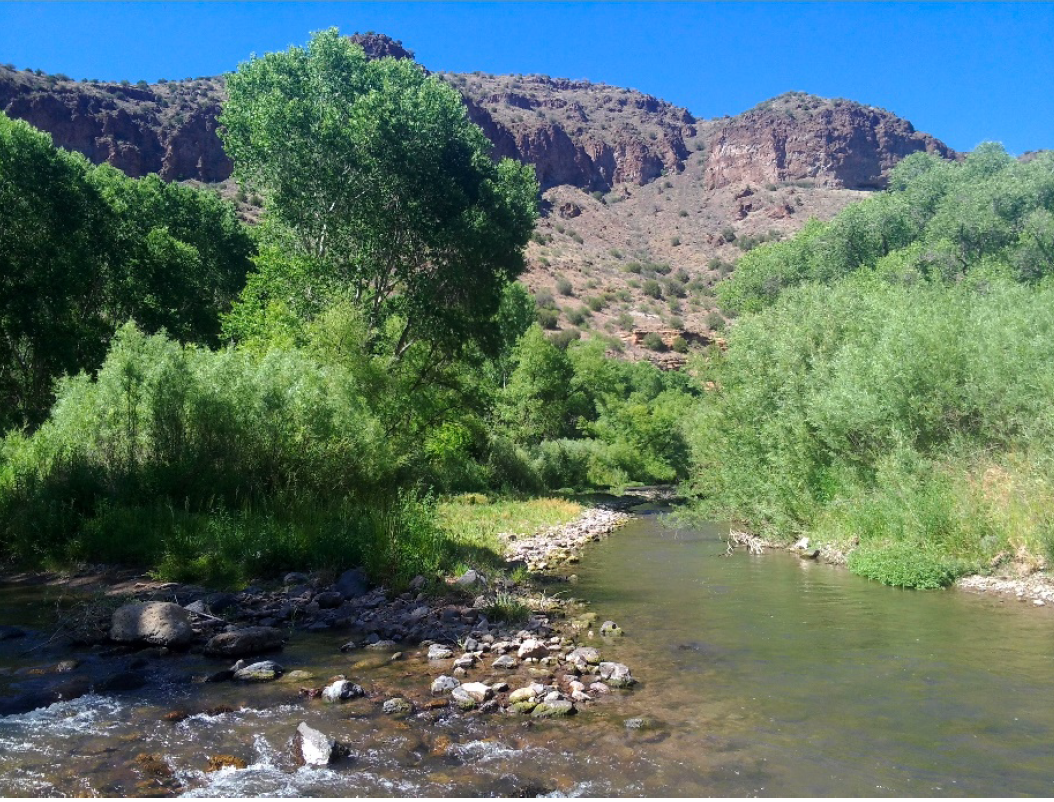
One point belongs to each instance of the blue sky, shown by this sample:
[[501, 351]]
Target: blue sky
[[965, 73]]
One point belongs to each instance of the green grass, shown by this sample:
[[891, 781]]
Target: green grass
[[473, 522]]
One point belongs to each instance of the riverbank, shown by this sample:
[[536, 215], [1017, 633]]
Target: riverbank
[[534, 650], [1017, 580]]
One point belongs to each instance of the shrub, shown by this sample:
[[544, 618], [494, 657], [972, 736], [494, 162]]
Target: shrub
[[651, 288], [653, 342], [564, 286], [906, 565]]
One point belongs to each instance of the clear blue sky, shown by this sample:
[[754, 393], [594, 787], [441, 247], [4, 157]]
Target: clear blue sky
[[963, 72]]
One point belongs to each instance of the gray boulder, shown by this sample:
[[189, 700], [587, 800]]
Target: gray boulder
[[156, 623], [263, 671], [245, 641], [352, 584], [443, 684], [554, 709], [616, 675], [312, 748]]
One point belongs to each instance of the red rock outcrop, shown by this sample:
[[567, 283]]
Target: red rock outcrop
[[797, 137]]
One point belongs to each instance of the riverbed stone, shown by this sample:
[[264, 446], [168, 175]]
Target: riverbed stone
[[155, 623], [522, 695], [341, 691], [506, 661], [463, 698], [584, 656], [524, 706], [329, 599], [532, 648], [477, 690], [465, 661], [609, 629], [245, 642], [616, 675], [312, 747], [263, 671], [469, 579], [444, 684], [438, 651], [554, 709], [397, 706]]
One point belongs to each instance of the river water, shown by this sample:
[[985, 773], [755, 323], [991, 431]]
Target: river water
[[762, 675]]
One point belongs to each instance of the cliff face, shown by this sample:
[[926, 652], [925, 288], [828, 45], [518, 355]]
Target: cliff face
[[168, 128], [797, 137], [591, 136]]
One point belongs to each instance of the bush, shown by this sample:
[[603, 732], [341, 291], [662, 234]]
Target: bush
[[651, 288], [905, 565], [564, 286], [653, 342], [547, 318]]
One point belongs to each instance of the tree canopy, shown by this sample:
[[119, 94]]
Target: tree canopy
[[377, 189]]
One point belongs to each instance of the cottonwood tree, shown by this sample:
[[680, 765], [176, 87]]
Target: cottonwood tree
[[377, 189]]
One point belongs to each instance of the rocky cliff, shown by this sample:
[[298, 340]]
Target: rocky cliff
[[800, 137]]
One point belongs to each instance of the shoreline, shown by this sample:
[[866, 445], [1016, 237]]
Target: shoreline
[[452, 631], [1036, 587]]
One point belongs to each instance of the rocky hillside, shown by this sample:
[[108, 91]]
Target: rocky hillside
[[645, 206]]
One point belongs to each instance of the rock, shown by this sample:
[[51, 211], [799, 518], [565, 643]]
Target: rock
[[506, 661], [417, 583], [329, 599], [397, 706], [438, 651], [584, 656], [156, 623], [444, 684], [459, 672], [809, 554], [471, 645], [524, 706], [616, 675], [599, 687], [218, 603], [801, 545], [120, 682], [463, 699], [220, 676], [532, 647], [383, 645], [295, 578], [263, 671], [469, 579], [555, 709], [341, 691], [522, 695], [465, 661], [312, 747], [196, 607], [298, 675], [245, 641], [477, 690], [610, 629], [353, 584]]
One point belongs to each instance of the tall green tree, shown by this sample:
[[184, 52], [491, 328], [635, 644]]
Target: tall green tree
[[378, 189]]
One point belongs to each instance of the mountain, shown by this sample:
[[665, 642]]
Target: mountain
[[645, 206]]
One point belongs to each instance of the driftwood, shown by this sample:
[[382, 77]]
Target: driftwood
[[752, 542]]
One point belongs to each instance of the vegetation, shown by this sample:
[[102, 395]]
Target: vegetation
[[229, 405], [889, 386]]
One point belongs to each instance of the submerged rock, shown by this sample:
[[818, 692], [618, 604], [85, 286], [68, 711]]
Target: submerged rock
[[155, 623], [554, 709], [263, 671], [477, 690], [616, 675], [397, 706], [244, 642], [610, 629]]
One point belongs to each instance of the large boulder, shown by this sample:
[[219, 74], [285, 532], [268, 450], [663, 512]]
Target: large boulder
[[352, 584], [244, 642], [264, 671], [156, 623]]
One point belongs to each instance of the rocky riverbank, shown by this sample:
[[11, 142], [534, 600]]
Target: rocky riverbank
[[480, 643]]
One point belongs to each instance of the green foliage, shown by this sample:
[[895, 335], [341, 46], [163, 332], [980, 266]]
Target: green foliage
[[653, 342], [564, 287], [377, 189], [939, 221], [905, 566], [83, 248]]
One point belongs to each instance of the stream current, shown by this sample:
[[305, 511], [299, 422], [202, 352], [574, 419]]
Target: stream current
[[759, 675]]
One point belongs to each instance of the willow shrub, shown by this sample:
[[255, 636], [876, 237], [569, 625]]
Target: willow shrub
[[864, 406], [176, 454]]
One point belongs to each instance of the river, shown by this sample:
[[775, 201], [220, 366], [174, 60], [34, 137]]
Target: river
[[759, 675]]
